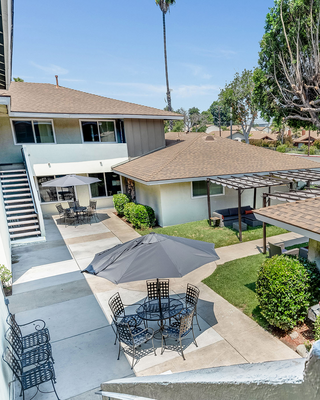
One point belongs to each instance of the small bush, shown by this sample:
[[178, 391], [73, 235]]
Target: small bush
[[5, 275], [139, 216], [283, 291], [151, 215], [119, 201], [316, 144], [317, 328], [314, 278], [282, 148], [127, 211]]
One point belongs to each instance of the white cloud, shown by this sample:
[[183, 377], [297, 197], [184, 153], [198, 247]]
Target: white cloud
[[184, 91], [197, 70], [51, 69]]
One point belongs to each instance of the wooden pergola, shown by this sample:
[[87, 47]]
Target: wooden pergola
[[242, 183]]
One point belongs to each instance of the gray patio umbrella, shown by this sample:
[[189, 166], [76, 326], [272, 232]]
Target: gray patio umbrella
[[151, 256], [70, 180]]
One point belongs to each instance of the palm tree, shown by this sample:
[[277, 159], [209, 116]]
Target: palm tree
[[164, 7]]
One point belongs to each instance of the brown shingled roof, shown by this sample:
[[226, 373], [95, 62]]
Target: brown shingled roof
[[305, 138], [194, 157], [47, 98], [304, 214]]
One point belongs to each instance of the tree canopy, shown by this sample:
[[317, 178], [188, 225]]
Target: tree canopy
[[224, 113], [165, 4], [288, 78]]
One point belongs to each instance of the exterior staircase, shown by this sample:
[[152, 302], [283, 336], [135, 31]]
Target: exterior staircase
[[22, 216]]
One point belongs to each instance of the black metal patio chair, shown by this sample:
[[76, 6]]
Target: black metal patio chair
[[60, 210], [93, 209], [154, 287], [191, 301], [70, 215], [39, 337], [133, 338], [37, 355], [179, 330], [119, 313], [32, 377], [71, 204]]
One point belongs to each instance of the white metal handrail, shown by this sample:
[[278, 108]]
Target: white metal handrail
[[121, 396]]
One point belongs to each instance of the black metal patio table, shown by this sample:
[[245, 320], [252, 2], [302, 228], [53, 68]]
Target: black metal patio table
[[77, 211], [151, 310]]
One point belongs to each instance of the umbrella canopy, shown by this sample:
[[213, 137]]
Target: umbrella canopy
[[152, 256], [70, 180]]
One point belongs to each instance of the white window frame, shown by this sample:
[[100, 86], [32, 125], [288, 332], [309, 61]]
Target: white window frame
[[202, 197], [34, 135], [53, 202], [97, 121], [105, 185]]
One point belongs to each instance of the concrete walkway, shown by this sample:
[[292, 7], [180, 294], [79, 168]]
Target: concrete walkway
[[48, 285]]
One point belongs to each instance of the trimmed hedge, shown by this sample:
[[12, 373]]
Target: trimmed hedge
[[139, 216], [119, 201], [127, 211], [317, 328], [151, 215], [283, 291]]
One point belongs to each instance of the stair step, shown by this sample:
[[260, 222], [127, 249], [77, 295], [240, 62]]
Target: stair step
[[29, 221], [17, 201], [6, 196], [4, 185], [16, 235], [12, 170], [15, 190], [30, 210], [30, 215], [13, 176], [23, 228], [4, 181]]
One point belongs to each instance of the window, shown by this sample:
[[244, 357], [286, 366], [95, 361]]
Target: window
[[110, 184], [98, 131], [199, 188], [33, 132], [54, 194]]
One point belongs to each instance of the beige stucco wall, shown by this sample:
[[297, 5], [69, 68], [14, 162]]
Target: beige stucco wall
[[9, 152], [151, 196], [143, 135]]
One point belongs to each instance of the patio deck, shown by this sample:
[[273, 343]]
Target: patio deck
[[48, 284]]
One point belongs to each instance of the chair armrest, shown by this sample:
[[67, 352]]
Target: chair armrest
[[37, 323], [149, 331], [293, 252]]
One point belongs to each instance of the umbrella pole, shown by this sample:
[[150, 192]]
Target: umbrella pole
[[160, 307]]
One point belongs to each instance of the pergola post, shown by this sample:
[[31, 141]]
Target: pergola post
[[264, 226], [208, 199], [239, 215], [269, 200], [254, 198]]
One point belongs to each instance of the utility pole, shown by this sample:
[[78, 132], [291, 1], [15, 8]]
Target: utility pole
[[309, 144], [231, 123], [219, 108]]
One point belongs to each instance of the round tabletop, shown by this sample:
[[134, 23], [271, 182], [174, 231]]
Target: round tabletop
[[77, 209], [150, 310]]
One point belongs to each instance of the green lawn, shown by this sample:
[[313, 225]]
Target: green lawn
[[235, 281], [201, 230]]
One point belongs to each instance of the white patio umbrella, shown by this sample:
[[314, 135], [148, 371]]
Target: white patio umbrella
[[70, 180]]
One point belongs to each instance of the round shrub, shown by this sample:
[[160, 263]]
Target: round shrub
[[119, 201], [139, 216], [282, 148], [283, 291], [127, 211], [317, 328], [151, 216]]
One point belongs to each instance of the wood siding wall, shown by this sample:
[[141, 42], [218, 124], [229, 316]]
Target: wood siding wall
[[143, 136]]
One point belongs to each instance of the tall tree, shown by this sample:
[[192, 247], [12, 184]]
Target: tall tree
[[164, 7], [287, 82], [238, 94], [220, 112]]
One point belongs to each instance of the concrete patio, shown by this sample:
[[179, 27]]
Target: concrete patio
[[48, 284]]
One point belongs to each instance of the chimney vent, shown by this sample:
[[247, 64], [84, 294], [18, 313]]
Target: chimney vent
[[209, 138], [57, 82]]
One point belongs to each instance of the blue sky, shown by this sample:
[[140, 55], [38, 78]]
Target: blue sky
[[115, 48]]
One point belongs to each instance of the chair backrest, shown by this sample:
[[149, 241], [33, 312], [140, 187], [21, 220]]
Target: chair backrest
[[76, 203], [124, 333], [93, 204], [116, 305], [186, 322], [155, 286], [274, 250], [9, 358], [192, 295], [71, 204], [14, 340], [11, 321], [60, 208]]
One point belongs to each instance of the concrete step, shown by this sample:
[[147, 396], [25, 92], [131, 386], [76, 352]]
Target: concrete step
[[8, 171], [6, 196], [29, 210], [24, 228], [29, 221], [15, 190], [13, 180], [18, 200], [19, 205], [15, 185], [18, 235], [13, 175], [30, 215]]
